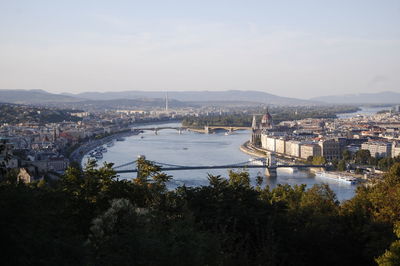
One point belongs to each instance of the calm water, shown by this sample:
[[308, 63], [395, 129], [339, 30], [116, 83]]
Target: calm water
[[363, 111], [191, 148]]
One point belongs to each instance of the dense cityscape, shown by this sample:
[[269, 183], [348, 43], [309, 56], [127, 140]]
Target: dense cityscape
[[43, 157], [201, 133]]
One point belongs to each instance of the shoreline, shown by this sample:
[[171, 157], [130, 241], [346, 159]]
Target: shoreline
[[253, 151], [79, 153], [250, 151]]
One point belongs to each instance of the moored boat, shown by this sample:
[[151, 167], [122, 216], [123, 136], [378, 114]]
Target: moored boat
[[255, 161], [110, 144], [338, 177], [98, 155]]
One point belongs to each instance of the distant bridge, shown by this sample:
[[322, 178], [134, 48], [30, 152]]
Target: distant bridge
[[270, 169], [206, 130], [211, 129], [156, 129]]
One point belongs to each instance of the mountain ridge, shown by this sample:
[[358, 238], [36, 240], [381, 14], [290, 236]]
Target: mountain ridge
[[199, 96], [384, 97]]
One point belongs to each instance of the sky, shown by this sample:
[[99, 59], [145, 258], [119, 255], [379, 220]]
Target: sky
[[292, 48]]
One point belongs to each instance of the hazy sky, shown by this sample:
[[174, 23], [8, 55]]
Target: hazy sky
[[289, 48]]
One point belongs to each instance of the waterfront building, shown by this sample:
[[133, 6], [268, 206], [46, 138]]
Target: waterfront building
[[280, 145], [270, 143], [310, 149], [378, 149], [266, 121], [331, 149], [293, 148], [257, 130], [395, 149]]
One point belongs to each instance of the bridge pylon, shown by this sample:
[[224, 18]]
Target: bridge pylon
[[270, 170]]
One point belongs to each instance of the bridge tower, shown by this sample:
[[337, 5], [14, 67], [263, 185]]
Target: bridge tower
[[270, 170]]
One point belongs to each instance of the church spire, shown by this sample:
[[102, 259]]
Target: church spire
[[254, 123]]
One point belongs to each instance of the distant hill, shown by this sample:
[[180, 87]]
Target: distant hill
[[144, 103], [150, 98], [386, 97], [198, 96], [34, 97]]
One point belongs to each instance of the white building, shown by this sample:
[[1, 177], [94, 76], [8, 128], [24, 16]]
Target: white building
[[378, 149]]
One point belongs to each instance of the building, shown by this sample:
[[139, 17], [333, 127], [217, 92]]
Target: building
[[24, 176], [395, 149], [266, 121], [280, 145], [311, 149], [331, 149], [265, 125], [268, 142], [378, 149], [293, 148]]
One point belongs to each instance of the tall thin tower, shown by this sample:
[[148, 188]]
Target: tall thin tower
[[166, 102], [254, 123]]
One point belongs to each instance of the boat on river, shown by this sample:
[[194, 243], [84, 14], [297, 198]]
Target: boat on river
[[110, 144], [255, 161], [98, 155], [339, 177], [289, 170]]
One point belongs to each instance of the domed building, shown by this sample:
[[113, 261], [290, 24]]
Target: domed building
[[266, 121], [265, 125]]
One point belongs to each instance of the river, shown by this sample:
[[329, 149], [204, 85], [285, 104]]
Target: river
[[191, 148], [364, 111]]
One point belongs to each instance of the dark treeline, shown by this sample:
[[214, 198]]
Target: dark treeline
[[89, 217], [279, 114]]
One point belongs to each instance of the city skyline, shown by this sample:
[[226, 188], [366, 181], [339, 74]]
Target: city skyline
[[288, 49]]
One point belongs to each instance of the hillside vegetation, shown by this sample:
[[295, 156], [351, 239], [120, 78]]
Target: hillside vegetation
[[89, 217]]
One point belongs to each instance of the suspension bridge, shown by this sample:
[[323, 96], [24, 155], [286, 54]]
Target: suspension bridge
[[269, 165]]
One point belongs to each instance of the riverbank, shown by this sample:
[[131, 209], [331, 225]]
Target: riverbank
[[78, 154], [248, 149]]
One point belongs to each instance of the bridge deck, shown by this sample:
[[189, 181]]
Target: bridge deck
[[223, 167]]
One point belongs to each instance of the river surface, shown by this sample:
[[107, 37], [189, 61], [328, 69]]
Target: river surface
[[190, 148], [365, 111]]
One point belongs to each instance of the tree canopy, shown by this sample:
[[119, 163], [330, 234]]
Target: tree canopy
[[90, 217]]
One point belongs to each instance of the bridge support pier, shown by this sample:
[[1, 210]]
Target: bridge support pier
[[271, 172]]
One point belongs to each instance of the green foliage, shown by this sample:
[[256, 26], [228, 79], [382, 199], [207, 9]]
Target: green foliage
[[341, 165], [318, 160], [89, 217], [239, 179], [347, 156], [362, 157], [392, 256], [278, 113]]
